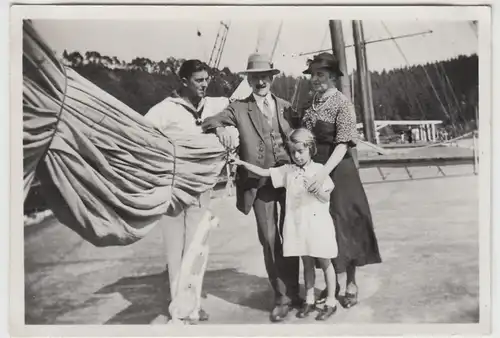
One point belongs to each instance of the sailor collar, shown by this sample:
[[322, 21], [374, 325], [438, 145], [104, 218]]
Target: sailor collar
[[196, 112]]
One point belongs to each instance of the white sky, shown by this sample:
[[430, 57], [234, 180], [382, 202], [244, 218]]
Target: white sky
[[158, 40]]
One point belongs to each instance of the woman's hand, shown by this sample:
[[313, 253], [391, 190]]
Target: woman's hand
[[315, 183]]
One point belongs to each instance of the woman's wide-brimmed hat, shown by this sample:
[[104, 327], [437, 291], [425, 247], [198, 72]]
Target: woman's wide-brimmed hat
[[259, 63], [324, 61]]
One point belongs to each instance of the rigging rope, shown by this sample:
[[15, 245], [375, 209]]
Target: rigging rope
[[277, 40], [419, 104], [385, 151], [443, 86], [450, 86], [296, 93], [425, 71], [259, 38], [448, 83], [447, 86], [324, 37]]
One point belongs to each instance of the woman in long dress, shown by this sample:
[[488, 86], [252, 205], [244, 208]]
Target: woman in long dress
[[332, 119]]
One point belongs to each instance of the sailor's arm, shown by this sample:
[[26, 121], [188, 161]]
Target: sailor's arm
[[217, 124]]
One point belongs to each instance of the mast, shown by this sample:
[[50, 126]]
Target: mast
[[338, 47], [344, 85], [223, 43], [220, 41], [352, 88], [364, 83]]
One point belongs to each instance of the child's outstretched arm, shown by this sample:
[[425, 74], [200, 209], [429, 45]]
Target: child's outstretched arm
[[250, 167]]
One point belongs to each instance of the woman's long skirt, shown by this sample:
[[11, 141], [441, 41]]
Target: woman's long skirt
[[356, 240]]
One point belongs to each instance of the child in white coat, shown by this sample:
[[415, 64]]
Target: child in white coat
[[308, 231]]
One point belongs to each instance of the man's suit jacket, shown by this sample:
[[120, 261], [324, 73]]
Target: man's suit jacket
[[246, 116]]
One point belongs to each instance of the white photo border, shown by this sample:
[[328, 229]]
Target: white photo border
[[20, 12]]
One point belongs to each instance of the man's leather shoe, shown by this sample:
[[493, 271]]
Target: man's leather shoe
[[297, 302], [280, 312]]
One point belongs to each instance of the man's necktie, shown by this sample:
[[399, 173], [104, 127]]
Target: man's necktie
[[268, 111]]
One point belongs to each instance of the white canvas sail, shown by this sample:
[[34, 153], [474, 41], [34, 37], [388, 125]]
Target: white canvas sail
[[242, 91]]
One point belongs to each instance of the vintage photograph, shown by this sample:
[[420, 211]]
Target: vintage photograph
[[197, 171]]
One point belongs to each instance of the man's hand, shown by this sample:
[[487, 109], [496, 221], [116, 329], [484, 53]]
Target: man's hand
[[227, 139]]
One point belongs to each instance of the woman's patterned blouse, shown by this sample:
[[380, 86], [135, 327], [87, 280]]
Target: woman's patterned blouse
[[334, 108]]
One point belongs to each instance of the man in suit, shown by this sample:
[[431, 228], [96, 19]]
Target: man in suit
[[262, 120]]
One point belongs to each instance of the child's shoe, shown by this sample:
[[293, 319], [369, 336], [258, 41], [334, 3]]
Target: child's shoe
[[305, 310], [324, 294], [326, 312]]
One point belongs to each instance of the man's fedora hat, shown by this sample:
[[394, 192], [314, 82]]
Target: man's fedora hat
[[325, 61], [259, 63]]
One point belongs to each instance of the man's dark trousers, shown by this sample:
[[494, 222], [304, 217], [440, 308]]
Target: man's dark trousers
[[283, 272]]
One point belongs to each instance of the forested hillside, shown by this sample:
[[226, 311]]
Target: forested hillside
[[445, 90]]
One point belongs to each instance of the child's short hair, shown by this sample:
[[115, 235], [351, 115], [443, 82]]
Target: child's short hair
[[304, 136]]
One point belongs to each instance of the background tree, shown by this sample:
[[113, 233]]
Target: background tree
[[445, 90]]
